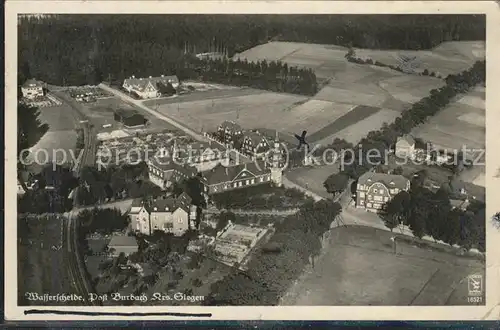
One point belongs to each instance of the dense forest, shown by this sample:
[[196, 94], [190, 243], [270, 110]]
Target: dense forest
[[80, 49]]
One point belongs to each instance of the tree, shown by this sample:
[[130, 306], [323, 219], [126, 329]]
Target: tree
[[224, 218], [336, 183], [396, 211], [167, 89], [398, 170]]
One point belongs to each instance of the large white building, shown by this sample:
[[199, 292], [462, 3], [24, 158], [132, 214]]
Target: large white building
[[32, 89], [147, 88]]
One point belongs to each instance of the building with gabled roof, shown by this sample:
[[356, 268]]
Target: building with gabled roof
[[255, 144], [163, 171], [123, 244], [32, 89], [229, 130], [147, 88], [376, 189], [169, 214], [405, 146]]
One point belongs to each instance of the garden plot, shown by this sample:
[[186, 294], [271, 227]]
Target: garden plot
[[466, 50]]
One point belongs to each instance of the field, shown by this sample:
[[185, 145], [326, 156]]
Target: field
[[41, 268], [259, 109], [359, 268], [62, 122], [446, 129]]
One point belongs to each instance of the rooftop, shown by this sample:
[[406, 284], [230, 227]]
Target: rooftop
[[406, 138], [221, 173], [122, 240], [389, 180], [141, 83], [32, 83]]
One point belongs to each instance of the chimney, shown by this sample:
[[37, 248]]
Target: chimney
[[150, 77], [162, 76], [133, 77]]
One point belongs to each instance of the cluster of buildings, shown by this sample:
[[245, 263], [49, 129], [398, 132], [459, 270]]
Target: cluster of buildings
[[147, 88], [250, 142]]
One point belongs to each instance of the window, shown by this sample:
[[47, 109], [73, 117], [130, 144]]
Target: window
[[235, 185], [370, 197], [156, 226], [362, 194], [377, 198], [386, 199], [368, 204], [375, 190], [240, 184], [180, 220], [361, 202], [252, 181], [138, 226], [246, 182], [261, 179]]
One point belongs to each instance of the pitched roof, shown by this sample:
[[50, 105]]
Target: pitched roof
[[230, 125], [220, 174], [256, 137], [166, 164], [32, 83], [185, 198], [406, 138], [123, 240], [389, 180], [141, 83], [169, 204]]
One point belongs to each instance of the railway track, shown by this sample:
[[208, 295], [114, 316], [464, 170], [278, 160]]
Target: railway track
[[76, 266]]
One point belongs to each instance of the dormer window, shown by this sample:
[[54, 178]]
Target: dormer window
[[392, 183], [155, 209], [166, 209]]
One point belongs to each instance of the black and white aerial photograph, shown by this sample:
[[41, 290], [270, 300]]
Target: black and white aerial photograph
[[251, 160]]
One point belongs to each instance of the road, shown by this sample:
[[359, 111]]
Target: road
[[139, 103]]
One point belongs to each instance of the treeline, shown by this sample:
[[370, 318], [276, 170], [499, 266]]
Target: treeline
[[274, 75], [384, 138], [115, 182], [428, 213], [264, 196], [296, 242], [99, 47]]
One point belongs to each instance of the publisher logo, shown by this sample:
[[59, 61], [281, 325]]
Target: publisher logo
[[475, 285]]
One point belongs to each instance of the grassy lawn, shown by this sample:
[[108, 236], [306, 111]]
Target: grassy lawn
[[313, 177], [358, 267], [41, 269]]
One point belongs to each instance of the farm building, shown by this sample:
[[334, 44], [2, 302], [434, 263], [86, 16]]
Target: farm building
[[147, 88], [32, 89], [203, 156], [130, 118], [376, 189]]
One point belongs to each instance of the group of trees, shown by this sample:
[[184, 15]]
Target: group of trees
[[102, 47], [428, 213], [384, 138], [51, 191], [102, 221], [271, 271], [115, 182], [274, 75], [264, 196]]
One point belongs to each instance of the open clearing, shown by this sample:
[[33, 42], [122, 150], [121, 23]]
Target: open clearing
[[313, 177], [359, 268]]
